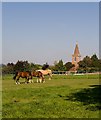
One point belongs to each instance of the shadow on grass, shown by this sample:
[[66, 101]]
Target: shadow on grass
[[90, 96]]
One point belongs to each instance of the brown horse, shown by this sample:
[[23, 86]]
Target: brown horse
[[26, 75], [39, 75]]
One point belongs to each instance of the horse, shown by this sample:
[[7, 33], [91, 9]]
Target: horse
[[39, 75], [46, 72], [26, 75]]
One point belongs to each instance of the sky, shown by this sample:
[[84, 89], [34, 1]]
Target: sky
[[47, 32], [50, 0]]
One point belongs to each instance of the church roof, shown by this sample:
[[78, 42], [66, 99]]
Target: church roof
[[76, 51]]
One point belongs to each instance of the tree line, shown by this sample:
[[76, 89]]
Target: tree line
[[88, 64]]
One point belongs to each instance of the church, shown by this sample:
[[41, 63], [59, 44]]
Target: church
[[76, 57]]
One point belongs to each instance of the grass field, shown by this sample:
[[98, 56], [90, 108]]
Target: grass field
[[65, 96]]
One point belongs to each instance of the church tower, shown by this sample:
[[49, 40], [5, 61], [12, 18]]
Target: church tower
[[76, 57]]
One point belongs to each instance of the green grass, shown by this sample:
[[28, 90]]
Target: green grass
[[65, 96]]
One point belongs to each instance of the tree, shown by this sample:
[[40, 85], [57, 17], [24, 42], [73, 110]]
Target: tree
[[68, 66], [87, 61], [95, 61], [82, 64], [26, 66], [18, 66], [35, 66], [94, 57], [100, 65], [22, 66], [59, 66], [89, 64], [8, 69]]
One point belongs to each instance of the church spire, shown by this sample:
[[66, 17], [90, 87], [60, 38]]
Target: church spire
[[76, 57], [76, 51]]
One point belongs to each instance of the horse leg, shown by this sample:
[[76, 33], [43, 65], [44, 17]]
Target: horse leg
[[37, 80], [17, 81], [14, 77], [50, 76], [30, 81], [43, 79], [26, 80], [40, 80]]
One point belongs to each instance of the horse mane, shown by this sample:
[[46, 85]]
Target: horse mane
[[45, 66]]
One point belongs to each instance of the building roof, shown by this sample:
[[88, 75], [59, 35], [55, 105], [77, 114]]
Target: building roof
[[76, 51]]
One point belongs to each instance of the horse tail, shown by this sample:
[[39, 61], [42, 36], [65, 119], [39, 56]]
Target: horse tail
[[15, 75]]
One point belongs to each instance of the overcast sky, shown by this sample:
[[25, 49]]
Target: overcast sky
[[46, 32]]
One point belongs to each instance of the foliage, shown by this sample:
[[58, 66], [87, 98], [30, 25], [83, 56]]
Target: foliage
[[99, 64], [95, 61], [8, 69], [68, 66], [19, 66], [35, 66], [90, 64], [59, 66], [22, 66]]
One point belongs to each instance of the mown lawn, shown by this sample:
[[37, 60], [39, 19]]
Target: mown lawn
[[65, 96]]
